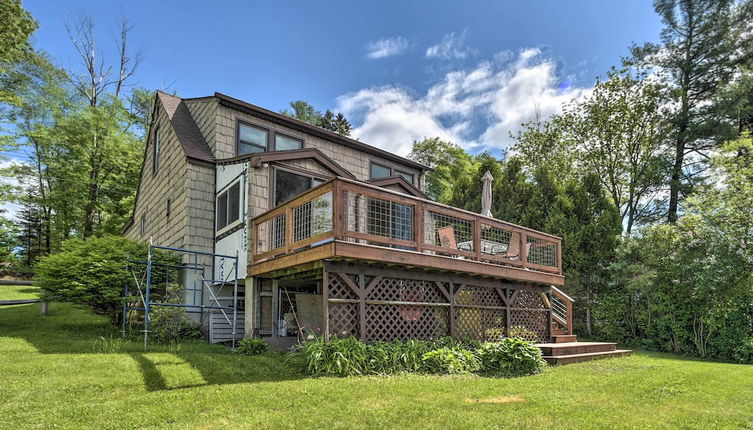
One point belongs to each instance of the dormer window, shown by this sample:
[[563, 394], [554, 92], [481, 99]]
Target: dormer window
[[284, 143], [407, 176], [251, 139], [380, 171]]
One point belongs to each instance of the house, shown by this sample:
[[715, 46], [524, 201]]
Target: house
[[334, 236]]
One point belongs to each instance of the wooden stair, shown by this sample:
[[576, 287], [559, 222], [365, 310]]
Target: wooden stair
[[565, 350]]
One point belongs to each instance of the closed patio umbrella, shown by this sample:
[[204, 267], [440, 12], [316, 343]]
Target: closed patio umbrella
[[486, 194]]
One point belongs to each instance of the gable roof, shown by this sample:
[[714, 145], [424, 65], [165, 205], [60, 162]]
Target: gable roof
[[191, 140], [399, 181], [295, 124], [257, 159]]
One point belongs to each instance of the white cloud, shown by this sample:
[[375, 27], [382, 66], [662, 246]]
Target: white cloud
[[477, 108], [386, 47], [452, 47]]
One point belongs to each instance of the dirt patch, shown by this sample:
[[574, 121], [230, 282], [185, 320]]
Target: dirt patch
[[497, 400]]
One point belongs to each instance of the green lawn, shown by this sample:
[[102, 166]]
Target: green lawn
[[18, 292], [65, 370]]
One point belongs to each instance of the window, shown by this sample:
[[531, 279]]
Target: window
[[228, 206], [289, 185], [379, 171], [283, 143], [167, 212], [155, 156], [142, 227], [251, 139], [407, 176]]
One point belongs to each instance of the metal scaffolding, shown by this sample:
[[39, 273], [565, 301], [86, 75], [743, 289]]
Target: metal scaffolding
[[152, 280]]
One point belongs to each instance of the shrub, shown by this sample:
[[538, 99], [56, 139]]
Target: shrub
[[451, 361], [511, 357], [92, 273], [338, 357], [253, 346]]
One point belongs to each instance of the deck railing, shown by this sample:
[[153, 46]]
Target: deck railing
[[352, 211], [562, 310]]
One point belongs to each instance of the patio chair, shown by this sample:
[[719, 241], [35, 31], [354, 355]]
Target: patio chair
[[447, 239], [513, 249]]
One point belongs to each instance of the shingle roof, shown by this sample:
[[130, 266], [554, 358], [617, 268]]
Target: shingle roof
[[189, 135]]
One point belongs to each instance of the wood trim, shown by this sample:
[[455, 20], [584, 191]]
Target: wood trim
[[420, 275], [312, 254], [378, 238]]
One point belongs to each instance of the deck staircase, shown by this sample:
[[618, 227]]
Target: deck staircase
[[565, 348]]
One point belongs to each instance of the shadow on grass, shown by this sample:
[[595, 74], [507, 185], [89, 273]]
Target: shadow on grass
[[69, 330]]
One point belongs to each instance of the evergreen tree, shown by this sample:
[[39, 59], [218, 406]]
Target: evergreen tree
[[703, 45]]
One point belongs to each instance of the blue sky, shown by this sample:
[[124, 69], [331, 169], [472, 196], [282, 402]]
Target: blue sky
[[469, 71]]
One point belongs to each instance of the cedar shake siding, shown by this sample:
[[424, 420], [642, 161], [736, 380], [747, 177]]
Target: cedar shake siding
[[197, 133]]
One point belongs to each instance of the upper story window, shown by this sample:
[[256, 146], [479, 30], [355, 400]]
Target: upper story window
[[251, 139], [407, 176], [142, 225], [155, 155], [228, 206], [380, 171], [289, 185], [283, 143]]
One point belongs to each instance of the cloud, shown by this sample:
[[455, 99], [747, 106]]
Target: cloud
[[386, 47], [477, 108], [452, 47]]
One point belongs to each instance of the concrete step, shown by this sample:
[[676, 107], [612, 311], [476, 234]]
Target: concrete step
[[564, 338], [571, 348], [578, 358]]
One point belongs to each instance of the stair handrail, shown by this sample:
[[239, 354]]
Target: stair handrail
[[568, 311]]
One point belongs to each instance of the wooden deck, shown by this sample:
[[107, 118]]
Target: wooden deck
[[345, 219]]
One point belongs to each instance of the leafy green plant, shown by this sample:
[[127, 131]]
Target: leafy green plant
[[337, 357], [522, 332], [253, 346], [170, 323], [511, 357], [92, 273], [451, 361]]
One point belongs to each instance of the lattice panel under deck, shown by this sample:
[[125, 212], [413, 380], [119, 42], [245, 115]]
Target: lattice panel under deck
[[343, 320], [480, 324], [481, 296], [528, 300], [339, 290], [391, 322], [530, 325], [406, 290]]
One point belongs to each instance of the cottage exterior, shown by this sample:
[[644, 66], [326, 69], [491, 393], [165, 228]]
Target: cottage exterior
[[336, 237]]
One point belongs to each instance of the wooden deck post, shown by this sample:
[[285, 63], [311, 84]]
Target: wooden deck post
[[250, 316], [325, 303], [361, 306]]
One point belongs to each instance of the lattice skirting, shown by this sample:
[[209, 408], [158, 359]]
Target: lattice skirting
[[371, 305]]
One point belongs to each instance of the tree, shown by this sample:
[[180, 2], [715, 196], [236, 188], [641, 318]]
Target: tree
[[452, 167], [102, 135], [703, 43], [16, 26], [304, 111], [619, 133], [92, 274]]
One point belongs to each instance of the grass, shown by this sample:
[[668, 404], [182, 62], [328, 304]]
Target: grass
[[70, 370], [18, 292]]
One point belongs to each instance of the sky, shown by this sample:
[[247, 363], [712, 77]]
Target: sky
[[467, 71]]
